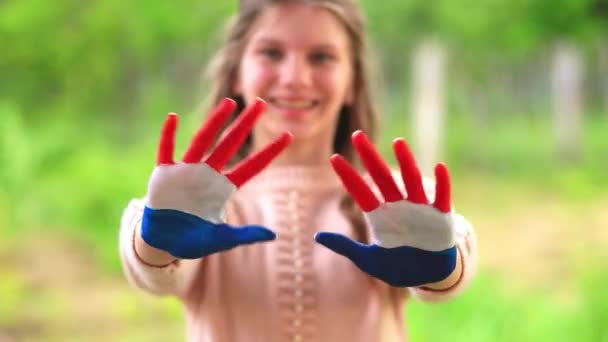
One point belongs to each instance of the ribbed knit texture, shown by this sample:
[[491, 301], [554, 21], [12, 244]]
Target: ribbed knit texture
[[291, 289]]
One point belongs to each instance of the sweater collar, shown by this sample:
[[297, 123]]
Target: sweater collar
[[295, 177]]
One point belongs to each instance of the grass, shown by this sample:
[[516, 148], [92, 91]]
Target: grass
[[490, 311], [74, 301]]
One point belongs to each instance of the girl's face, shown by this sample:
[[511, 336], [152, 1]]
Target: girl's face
[[298, 60]]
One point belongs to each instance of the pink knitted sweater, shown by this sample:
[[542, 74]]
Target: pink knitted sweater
[[290, 289]]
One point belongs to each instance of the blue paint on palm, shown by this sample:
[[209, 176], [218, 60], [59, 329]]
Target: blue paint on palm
[[399, 266], [188, 236]]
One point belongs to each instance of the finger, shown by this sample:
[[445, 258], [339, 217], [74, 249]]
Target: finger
[[442, 189], [166, 145], [205, 135], [252, 165], [354, 184], [244, 235], [409, 172], [376, 167], [235, 136], [353, 250]]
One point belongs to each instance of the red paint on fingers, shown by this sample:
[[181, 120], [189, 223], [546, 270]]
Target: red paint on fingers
[[166, 144], [442, 189], [412, 179], [354, 184], [253, 164], [235, 136], [376, 167], [205, 135]]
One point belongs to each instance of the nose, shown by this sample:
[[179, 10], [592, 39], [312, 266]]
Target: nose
[[295, 72]]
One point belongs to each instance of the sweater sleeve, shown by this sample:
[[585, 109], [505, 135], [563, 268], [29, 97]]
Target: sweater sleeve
[[173, 279]]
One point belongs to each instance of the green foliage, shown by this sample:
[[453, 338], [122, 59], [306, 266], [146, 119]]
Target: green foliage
[[490, 311], [100, 58], [481, 32], [92, 58], [516, 149], [85, 86]]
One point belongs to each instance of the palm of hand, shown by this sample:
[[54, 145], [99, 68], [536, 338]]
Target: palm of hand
[[415, 240], [185, 200]]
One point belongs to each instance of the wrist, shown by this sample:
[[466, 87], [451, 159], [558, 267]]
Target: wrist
[[451, 280], [149, 255]]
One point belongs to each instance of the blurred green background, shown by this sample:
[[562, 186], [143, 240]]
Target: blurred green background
[[84, 87]]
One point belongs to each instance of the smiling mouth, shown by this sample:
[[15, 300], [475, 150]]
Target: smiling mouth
[[293, 104]]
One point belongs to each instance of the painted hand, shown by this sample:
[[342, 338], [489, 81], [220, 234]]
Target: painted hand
[[415, 240], [186, 200]]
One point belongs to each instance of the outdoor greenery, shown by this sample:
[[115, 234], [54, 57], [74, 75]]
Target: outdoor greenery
[[85, 86]]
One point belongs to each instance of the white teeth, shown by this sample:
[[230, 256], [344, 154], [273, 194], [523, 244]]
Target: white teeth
[[294, 104]]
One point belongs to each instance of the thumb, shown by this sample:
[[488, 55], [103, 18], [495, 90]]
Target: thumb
[[353, 250], [243, 235]]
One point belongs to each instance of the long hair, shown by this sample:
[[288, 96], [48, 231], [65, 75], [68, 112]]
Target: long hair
[[360, 115]]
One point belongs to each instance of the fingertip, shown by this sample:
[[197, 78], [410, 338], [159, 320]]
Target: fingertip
[[263, 234], [338, 162], [171, 119], [166, 144], [339, 244], [399, 143], [442, 175], [441, 169], [228, 100], [362, 143], [283, 140], [398, 146], [231, 103], [357, 135], [170, 122], [443, 192], [269, 235], [259, 103], [321, 238], [324, 235], [227, 105], [336, 157], [257, 107], [287, 137]]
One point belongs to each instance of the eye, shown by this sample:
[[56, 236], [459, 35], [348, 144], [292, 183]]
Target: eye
[[321, 57], [273, 54]]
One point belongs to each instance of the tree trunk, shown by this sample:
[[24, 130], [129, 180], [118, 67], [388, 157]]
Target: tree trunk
[[428, 103], [603, 71], [567, 82]]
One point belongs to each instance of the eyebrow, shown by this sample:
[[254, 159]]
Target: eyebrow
[[273, 41]]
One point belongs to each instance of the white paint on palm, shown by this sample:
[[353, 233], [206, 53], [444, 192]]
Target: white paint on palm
[[196, 189], [404, 223]]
